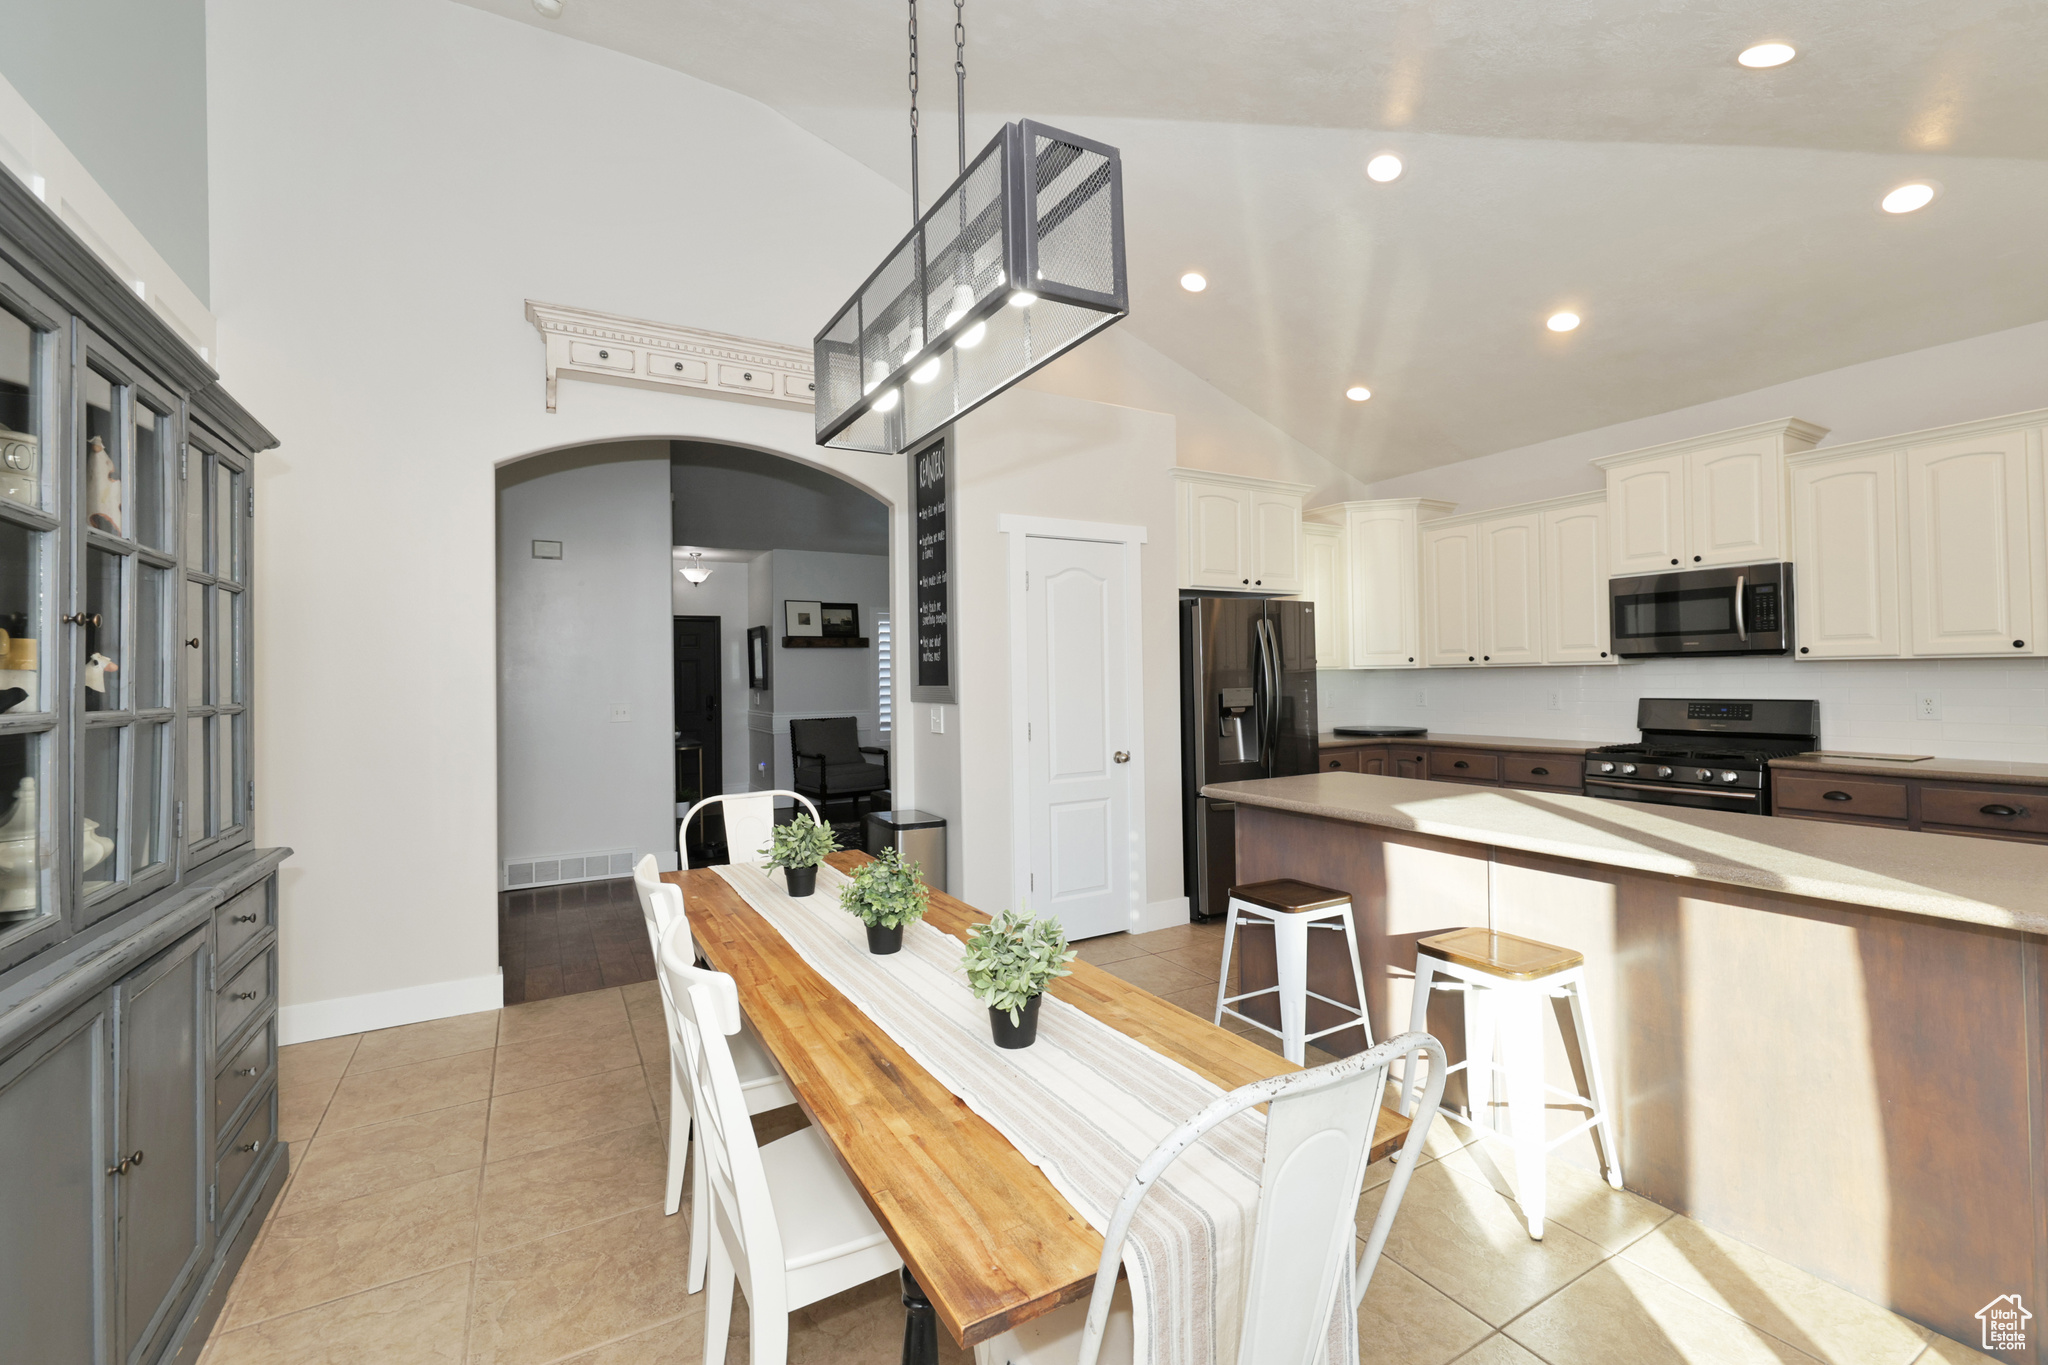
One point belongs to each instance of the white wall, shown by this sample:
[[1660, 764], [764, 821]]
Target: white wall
[[1988, 708], [578, 636], [723, 595], [371, 271]]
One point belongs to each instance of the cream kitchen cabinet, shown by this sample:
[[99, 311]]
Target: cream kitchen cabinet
[[1511, 589], [1452, 633], [1382, 578], [1975, 542], [1238, 533], [1711, 500], [1845, 530], [1322, 550], [1575, 608]]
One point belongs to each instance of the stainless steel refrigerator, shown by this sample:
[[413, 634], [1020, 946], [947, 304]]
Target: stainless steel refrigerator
[[1247, 709]]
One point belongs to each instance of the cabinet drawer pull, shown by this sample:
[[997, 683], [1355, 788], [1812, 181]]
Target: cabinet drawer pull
[[245, 1071], [120, 1167], [248, 1146], [1334, 763], [242, 995], [1836, 796], [2004, 812], [192, 643], [1461, 763], [79, 618], [249, 918], [1539, 772]]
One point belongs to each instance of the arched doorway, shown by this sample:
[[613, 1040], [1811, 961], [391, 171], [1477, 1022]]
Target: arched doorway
[[626, 690]]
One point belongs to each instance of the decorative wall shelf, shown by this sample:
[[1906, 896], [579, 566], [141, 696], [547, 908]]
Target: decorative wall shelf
[[824, 642], [611, 349]]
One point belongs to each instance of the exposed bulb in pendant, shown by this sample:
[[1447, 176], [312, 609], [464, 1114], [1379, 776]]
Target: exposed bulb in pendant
[[971, 338], [887, 402], [963, 299], [877, 372], [1023, 298], [925, 373]]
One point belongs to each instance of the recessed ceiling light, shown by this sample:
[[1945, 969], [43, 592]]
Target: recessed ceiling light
[[1562, 322], [1384, 167], [1193, 283], [1767, 54], [1358, 393], [1906, 198]]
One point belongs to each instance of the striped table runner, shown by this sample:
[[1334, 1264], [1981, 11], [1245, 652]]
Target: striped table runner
[[1085, 1104]]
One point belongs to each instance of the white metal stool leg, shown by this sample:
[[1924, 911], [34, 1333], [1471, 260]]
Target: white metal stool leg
[[1482, 1078], [1418, 1022], [1290, 949], [1589, 1052], [1521, 1045], [1357, 975], [1229, 943]]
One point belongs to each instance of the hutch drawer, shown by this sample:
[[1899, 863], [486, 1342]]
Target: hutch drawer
[[239, 920], [246, 994], [240, 1075], [244, 1151]]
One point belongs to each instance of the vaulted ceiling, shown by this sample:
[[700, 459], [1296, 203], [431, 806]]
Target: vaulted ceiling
[[1716, 227]]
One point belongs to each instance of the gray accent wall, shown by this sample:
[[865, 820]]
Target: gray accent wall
[[123, 84], [577, 636], [746, 500]]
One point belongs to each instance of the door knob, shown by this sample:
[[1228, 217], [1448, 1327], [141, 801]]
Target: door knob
[[79, 618], [1123, 756]]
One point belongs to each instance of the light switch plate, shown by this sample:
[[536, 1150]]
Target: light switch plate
[[938, 720]]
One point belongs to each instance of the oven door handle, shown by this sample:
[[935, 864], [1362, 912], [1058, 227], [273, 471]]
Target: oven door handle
[[1741, 631], [1653, 787]]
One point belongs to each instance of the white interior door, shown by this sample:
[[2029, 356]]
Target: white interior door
[[1079, 743]]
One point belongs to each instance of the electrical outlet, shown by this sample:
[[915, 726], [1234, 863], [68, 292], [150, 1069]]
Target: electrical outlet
[[938, 720], [621, 713], [1556, 700], [1930, 706], [1421, 698]]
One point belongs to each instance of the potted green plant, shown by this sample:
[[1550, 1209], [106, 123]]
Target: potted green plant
[[1010, 960], [886, 894], [797, 848]]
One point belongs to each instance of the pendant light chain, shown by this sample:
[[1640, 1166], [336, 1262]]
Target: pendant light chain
[[913, 114], [960, 74]]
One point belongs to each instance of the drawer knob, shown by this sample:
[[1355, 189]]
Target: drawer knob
[[248, 1146], [249, 918], [747, 375], [243, 995], [1539, 772], [2003, 812], [604, 355], [192, 643], [79, 618], [2016, 644], [679, 367], [245, 1071], [1461, 763], [122, 1166], [1837, 796]]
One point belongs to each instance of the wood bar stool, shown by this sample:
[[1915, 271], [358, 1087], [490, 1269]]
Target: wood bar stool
[[1507, 981], [1292, 908]]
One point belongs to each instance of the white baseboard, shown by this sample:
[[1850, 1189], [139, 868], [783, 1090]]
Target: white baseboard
[[317, 1019], [1160, 915]]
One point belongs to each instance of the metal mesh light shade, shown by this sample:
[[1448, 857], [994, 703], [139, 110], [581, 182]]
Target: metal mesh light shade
[[1020, 259]]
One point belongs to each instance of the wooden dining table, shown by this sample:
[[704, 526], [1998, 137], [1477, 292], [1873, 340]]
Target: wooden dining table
[[987, 1242]]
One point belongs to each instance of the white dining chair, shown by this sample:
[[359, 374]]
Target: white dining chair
[[787, 1225], [762, 1085], [749, 820], [1319, 1131]]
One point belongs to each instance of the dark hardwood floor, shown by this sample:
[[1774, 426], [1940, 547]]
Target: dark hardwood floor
[[560, 940]]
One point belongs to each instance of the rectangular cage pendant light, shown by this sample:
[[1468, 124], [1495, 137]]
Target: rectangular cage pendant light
[[1020, 260]]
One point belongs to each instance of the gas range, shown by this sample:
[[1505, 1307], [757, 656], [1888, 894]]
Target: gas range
[[1712, 755]]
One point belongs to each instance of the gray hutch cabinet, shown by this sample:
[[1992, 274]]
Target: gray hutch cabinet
[[138, 918]]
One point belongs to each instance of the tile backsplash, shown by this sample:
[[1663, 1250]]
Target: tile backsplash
[[1982, 708]]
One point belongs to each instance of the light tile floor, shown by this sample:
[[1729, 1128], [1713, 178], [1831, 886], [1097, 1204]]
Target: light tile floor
[[487, 1191]]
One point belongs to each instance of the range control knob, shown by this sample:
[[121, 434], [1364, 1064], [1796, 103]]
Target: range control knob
[[1663, 772], [1606, 767], [1728, 777], [1705, 775], [1628, 769]]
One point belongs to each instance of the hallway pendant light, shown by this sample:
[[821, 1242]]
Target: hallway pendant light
[[696, 573], [1019, 261]]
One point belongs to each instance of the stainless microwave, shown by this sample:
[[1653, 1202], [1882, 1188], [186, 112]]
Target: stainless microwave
[[1746, 609]]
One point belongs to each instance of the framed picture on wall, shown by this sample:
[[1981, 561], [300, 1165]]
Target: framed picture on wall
[[802, 618], [757, 658], [839, 620]]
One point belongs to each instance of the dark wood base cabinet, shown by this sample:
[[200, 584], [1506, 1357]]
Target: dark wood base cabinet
[[138, 1108], [1982, 810]]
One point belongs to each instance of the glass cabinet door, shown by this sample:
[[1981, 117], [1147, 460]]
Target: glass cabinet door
[[124, 568], [216, 665], [33, 352]]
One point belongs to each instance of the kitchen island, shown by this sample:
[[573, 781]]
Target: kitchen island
[[1828, 1041]]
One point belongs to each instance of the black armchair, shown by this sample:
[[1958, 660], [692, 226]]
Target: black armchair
[[829, 763]]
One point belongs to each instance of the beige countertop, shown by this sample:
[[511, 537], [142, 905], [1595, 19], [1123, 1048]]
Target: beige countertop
[[1930, 770], [1979, 881], [1527, 746]]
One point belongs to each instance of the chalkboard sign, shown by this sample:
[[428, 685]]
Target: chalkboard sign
[[931, 484]]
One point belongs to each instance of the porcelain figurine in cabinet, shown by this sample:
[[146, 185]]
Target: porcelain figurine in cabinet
[[18, 854], [104, 488], [97, 666]]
